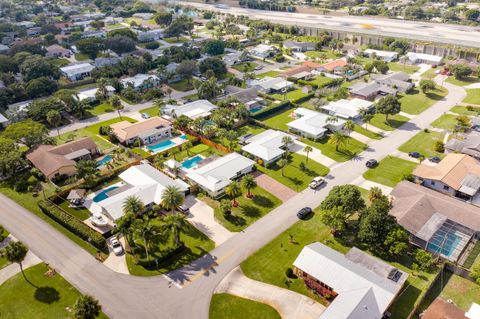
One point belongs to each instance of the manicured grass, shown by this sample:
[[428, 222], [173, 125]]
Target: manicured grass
[[423, 143], [321, 81], [293, 176], [417, 102], [229, 306], [248, 211], [81, 57], [393, 123], [351, 148], [101, 109], [152, 111], [53, 298], [141, 152], [409, 69], [390, 171], [251, 129], [327, 54], [463, 82], [197, 244], [182, 85], [473, 96], [81, 213], [366, 132], [268, 73], [463, 110], [279, 120], [245, 67], [175, 40], [446, 122], [291, 95]]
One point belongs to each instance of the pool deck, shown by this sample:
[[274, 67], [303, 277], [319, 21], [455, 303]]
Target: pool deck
[[177, 140]]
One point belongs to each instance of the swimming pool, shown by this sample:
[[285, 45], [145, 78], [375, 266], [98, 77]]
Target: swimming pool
[[161, 146], [192, 162], [104, 160], [184, 137], [255, 109], [444, 244], [103, 194]]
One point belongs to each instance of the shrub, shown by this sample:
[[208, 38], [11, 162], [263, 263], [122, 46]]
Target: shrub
[[21, 185], [152, 45], [439, 147], [426, 130], [279, 58], [290, 274], [3, 233], [104, 130], [73, 224], [408, 177]]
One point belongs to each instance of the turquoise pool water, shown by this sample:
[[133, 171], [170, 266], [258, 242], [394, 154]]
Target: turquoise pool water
[[255, 109], [184, 137], [103, 194], [191, 162], [443, 243], [161, 146], [104, 160]]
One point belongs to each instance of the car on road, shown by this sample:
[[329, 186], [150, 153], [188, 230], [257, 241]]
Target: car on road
[[304, 212], [116, 246], [414, 154], [145, 116], [258, 68], [434, 159], [371, 163], [316, 182]]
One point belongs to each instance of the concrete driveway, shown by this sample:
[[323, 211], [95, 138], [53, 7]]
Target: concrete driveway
[[117, 263]]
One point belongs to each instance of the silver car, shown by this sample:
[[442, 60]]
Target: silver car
[[116, 246]]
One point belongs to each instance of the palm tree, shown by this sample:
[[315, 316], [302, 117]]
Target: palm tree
[[54, 119], [132, 204], [233, 191], [249, 183], [86, 169], [124, 225], [147, 231], [282, 163], [116, 103], [172, 198], [338, 139], [174, 224], [367, 118], [307, 149], [332, 119], [86, 307], [286, 141], [102, 88], [16, 253], [188, 145], [349, 126]]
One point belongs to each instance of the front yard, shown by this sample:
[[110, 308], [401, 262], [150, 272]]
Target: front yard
[[409, 69], [473, 96], [101, 109], [346, 152], [446, 122], [182, 85], [423, 143], [366, 132], [393, 123], [466, 110], [272, 74], [245, 67], [390, 171], [151, 111], [233, 307], [463, 82], [417, 102]]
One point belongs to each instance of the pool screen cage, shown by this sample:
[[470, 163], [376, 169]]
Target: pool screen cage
[[450, 240]]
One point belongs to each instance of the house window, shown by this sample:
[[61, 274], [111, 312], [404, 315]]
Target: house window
[[432, 183], [445, 187]]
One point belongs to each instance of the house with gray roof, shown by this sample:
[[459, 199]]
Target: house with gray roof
[[469, 144], [399, 81], [76, 72], [299, 46]]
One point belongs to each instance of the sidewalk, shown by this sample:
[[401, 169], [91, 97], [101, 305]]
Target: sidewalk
[[289, 304], [360, 137], [315, 154], [366, 184]]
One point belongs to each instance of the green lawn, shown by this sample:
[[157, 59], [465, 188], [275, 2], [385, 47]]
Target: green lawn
[[390, 171], [175, 40], [423, 143], [268, 73], [101, 109], [417, 102], [430, 74], [197, 244], [446, 122], [245, 67], [81, 213], [293, 176], [327, 54], [464, 82], [393, 123], [182, 85], [464, 110], [232, 307], [473, 96], [251, 129], [248, 211], [81, 57], [351, 148], [52, 299], [152, 111], [279, 120], [140, 151], [409, 69], [321, 81], [291, 95], [366, 132]]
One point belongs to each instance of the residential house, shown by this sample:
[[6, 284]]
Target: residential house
[[361, 286], [469, 145], [141, 181], [312, 124], [143, 15], [141, 82], [214, 176], [436, 222], [387, 56], [25, 24], [456, 175], [94, 34], [263, 51], [100, 62], [148, 131], [267, 146], [369, 91], [192, 110], [56, 161], [271, 85], [416, 58], [76, 72], [347, 109], [18, 111], [299, 73], [149, 35], [299, 46], [399, 81], [237, 57], [336, 66], [89, 95], [31, 32], [3, 121], [57, 51], [249, 97]]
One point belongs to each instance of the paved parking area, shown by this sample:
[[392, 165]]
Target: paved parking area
[[272, 186], [117, 263]]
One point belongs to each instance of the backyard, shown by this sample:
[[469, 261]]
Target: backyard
[[393, 123], [321, 81], [233, 307], [390, 171], [291, 95], [423, 142], [416, 102], [279, 120], [409, 69], [272, 74], [473, 96], [345, 152], [324, 54]]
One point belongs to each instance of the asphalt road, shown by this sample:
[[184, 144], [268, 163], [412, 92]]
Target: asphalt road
[[423, 31], [124, 296]]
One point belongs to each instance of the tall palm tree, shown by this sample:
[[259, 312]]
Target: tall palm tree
[[116, 103], [16, 253], [367, 118], [132, 204], [147, 231], [249, 183], [174, 224], [338, 139], [172, 198], [124, 226], [282, 163], [188, 145], [86, 169], [307, 149], [54, 119], [349, 126], [86, 307], [332, 119], [286, 141], [233, 191]]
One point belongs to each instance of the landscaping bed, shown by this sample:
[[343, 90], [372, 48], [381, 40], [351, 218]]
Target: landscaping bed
[[233, 307], [390, 171]]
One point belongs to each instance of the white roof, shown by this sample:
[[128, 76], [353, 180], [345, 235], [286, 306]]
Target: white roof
[[312, 122], [266, 145], [271, 83], [3, 119], [193, 110], [218, 174], [347, 108], [77, 68], [146, 183], [473, 312], [138, 80], [262, 48], [360, 280], [90, 93], [381, 53], [413, 56]]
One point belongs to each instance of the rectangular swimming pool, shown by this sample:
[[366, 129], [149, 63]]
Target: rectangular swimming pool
[[443, 243], [102, 195], [192, 162], [155, 148]]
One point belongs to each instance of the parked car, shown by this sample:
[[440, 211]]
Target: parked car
[[371, 163], [183, 209], [317, 181], [258, 67], [415, 154], [116, 246], [98, 220], [434, 159], [145, 116], [304, 212]]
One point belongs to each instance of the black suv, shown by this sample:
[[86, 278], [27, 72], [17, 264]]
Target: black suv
[[304, 212]]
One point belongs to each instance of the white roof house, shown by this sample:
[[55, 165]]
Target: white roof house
[[269, 84], [139, 81], [268, 145], [89, 95], [424, 58], [365, 285], [142, 181], [386, 56], [218, 174], [473, 312], [193, 110], [347, 109], [263, 50], [313, 124], [3, 120], [77, 71]]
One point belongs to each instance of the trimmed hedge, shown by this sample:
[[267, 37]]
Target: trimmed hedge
[[270, 110], [73, 224]]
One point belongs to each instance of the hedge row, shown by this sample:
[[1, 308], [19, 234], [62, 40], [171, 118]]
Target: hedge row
[[73, 224], [270, 110], [303, 98]]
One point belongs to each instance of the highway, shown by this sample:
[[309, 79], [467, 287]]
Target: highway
[[457, 35]]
